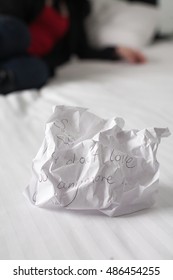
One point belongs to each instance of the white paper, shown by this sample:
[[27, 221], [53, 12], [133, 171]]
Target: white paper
[[88, 163]]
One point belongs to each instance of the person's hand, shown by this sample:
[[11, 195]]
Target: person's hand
[[131, 55]]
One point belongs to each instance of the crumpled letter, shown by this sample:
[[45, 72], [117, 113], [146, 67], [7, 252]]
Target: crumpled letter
[[88, 163]]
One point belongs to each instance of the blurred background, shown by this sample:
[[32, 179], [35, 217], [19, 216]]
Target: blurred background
[[113, 57], [40, 36]]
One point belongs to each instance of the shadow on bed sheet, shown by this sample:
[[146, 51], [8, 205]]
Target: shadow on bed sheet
[[88, 70], [164, 202], [165, 198]]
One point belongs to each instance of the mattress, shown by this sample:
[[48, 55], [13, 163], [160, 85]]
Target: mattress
[[143, 96]]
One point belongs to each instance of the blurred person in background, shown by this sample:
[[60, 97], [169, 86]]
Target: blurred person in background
[[36, 36]]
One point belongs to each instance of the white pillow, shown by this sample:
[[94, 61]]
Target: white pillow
[[120, 23], [166, 18]]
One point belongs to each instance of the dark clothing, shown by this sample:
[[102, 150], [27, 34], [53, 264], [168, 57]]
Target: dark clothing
[[151, 2], [32, 72], [28, 72], [25, 71], [29, 9], [14, 37], [76, 40], [26, 10], [14, 41]]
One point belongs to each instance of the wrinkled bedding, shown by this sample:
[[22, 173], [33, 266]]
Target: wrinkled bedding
[[141, 94]]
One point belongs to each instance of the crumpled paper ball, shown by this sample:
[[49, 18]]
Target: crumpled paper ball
[[88, 163]]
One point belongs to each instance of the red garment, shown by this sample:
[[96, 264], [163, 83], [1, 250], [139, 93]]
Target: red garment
[[48, 28]]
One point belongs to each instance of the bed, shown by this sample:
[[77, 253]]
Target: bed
[[143, 96]]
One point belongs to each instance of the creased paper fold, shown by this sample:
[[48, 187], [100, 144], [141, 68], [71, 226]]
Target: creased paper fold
[[88, 163]]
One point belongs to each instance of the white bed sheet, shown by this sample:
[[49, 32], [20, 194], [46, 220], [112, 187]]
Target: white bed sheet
[[143, 95]]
